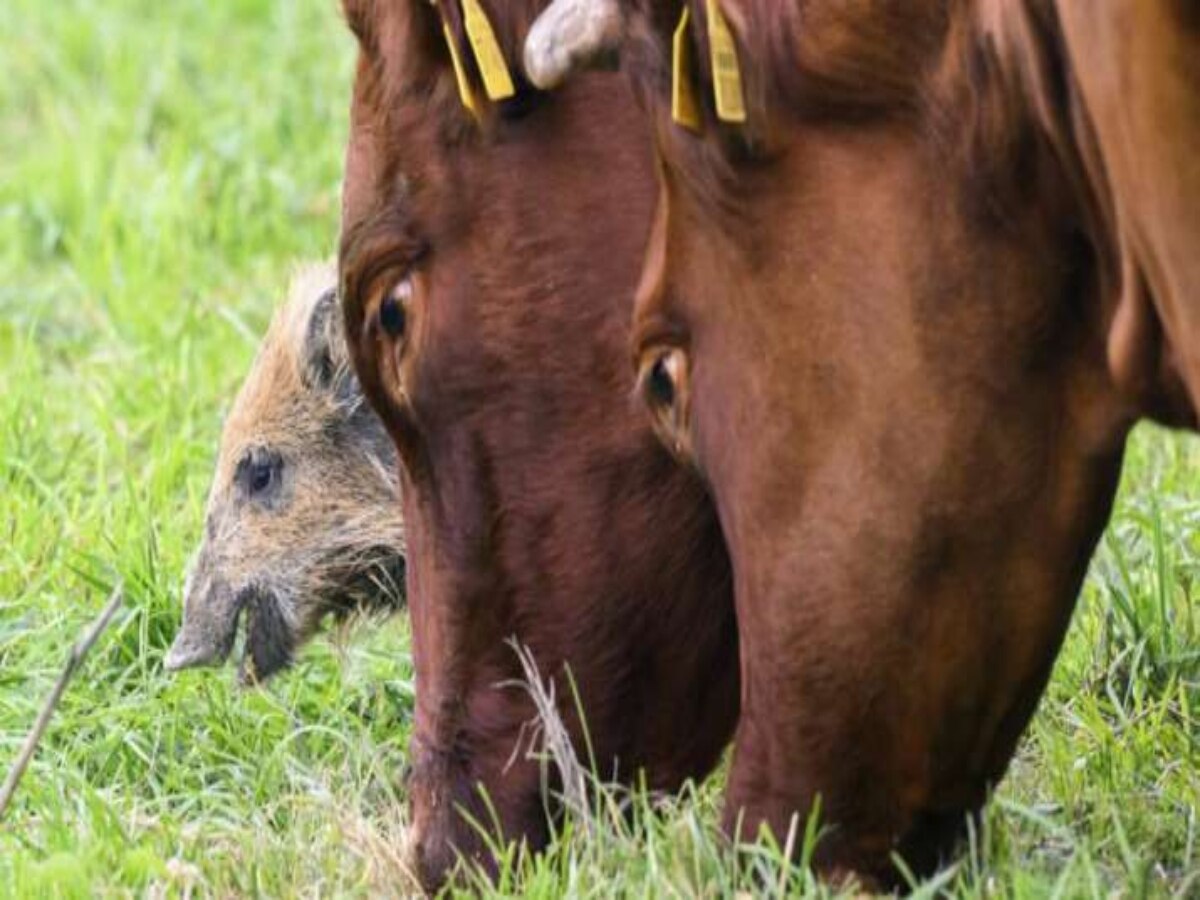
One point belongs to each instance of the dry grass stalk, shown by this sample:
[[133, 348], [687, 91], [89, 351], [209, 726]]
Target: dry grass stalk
[[549, 738], [79, 651]]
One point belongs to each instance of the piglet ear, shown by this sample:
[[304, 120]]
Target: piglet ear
[[325, 359], [321, 337]]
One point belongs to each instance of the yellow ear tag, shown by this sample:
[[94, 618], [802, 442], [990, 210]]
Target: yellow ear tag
[[460, 74], [496, 80], [727, 73], [685, 108]]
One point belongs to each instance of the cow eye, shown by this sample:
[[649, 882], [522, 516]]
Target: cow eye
[[662, 377], [660, 385], [664, 387], [258, 473], [393, 309]]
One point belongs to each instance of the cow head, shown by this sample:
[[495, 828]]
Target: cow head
[[489, 260], [881, 314]]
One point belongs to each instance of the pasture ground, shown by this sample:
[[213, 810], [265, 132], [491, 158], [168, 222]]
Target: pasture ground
[[161, 167]]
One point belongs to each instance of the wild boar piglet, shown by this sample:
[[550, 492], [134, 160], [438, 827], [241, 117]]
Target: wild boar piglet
[[303, 519]]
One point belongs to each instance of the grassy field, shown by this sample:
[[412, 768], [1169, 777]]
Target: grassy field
[[161, 168]]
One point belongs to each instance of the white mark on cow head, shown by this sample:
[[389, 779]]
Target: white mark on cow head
[[569, 35]]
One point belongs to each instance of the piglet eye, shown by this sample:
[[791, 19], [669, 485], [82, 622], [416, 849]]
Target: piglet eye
[[393, 310], [258, 473], [261, 475]]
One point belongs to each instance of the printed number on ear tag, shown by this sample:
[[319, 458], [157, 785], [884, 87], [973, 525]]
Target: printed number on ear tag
[[460, 74], [727, 73], [496, 80], [685, 108]]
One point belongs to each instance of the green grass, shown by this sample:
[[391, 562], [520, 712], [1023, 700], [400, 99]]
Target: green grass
[[161, 167]]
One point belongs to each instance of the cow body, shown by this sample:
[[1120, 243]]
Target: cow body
[[489, 269], [901, 319]]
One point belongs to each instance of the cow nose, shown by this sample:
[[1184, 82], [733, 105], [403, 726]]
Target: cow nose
[[430, 858]]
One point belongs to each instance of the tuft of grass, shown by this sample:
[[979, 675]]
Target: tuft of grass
[[161, 168]]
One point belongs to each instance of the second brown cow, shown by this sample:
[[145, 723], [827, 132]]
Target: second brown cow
[[908, 288]]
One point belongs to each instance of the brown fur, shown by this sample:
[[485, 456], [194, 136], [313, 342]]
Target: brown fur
[[893, 299], [538, 503], [324, 536]]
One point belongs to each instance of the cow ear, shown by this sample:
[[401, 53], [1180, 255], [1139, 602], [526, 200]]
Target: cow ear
[[325, 360]]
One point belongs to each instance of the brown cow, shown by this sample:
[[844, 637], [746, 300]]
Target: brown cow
[[901, 318], [489, 268]]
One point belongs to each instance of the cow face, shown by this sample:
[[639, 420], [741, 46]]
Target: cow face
[[489, 266], [875, 315]]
